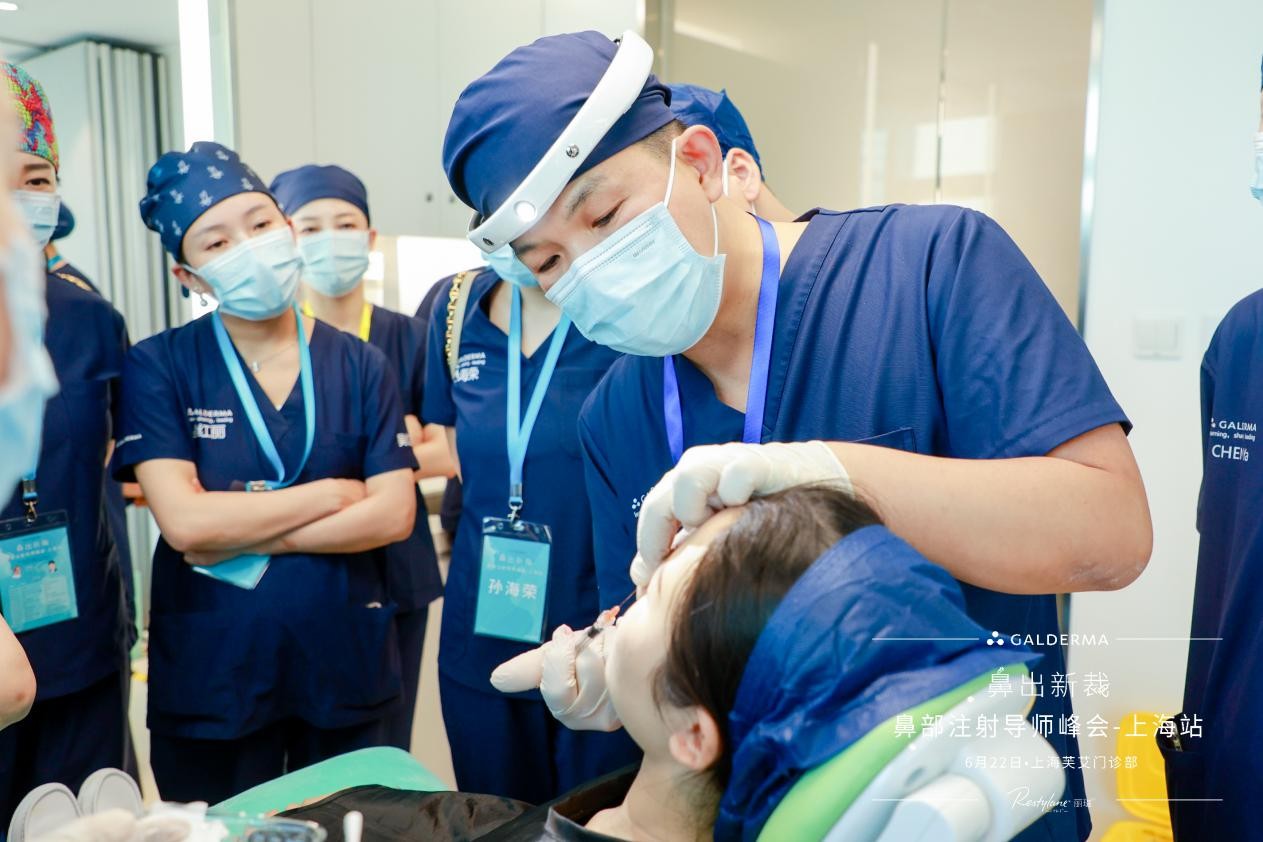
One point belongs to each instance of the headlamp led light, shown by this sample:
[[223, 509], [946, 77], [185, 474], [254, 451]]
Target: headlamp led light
[[618, 89]]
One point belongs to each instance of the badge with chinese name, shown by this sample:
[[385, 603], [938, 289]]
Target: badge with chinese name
[[37, 581], [513, 583]]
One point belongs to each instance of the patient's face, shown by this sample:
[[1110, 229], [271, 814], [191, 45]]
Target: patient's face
[[639, 644]]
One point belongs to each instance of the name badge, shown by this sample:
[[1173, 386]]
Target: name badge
[[513, 584], [37, 581]]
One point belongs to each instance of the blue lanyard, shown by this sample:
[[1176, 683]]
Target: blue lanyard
[[251, 406], [760, 364], [30, 491], [517, 427]]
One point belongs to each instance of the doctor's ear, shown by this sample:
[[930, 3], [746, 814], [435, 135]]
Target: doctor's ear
[[744, 178], [695, 740], [372, 238], [189, 281], [699, 148]]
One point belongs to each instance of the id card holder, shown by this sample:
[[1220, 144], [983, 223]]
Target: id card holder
[[37, 578], [513, 582]]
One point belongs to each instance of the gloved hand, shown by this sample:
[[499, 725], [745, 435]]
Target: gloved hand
[[718, 476], [573, 686]]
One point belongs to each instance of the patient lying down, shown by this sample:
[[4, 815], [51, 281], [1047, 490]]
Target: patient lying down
[[776, 636]]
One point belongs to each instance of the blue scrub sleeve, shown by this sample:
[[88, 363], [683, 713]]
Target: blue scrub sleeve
[[613, 537], [122, 344], [1015, 376], [437, 406], [389, 447], [151, 422]]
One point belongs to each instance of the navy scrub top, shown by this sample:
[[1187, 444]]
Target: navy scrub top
[[918, 328], [315, 640], [412, 568], [552, 476], [1224, 683], [86, 339], [115, 503]]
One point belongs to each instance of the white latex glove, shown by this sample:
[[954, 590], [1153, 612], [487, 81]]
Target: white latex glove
[[719, 476], [572, 687]]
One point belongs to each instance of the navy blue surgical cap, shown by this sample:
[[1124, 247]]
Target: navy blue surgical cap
[[818, 680], [505, 121], [295, 188], [184, 185], [697, 106], [65, 223]]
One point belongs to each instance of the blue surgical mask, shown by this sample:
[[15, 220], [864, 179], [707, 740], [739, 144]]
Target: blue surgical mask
[[1257, 187], [644, 289], [334, 262], [255, 280], [31, 378], [40, 210], [505, 264]]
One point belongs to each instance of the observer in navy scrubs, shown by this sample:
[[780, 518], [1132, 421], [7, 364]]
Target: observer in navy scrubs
[[909, 352], [511, 745], [78, 722], [272, 451], [1214, 751], [115, 501], [328, 208]]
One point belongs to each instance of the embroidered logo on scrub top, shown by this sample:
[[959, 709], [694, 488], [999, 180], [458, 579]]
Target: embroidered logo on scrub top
[[209, 423], [403, 440], [469, 366], [1232, 440], [637, 502]]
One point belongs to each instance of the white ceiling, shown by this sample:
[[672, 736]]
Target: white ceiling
[[41, 24]]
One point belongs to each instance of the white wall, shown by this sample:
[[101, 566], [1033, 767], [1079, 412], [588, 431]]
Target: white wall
[[370, 86], [1175, 235]]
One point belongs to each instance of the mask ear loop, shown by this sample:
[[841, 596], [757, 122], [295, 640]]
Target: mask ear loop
[[714, 217], [671, 174], [753, 210]]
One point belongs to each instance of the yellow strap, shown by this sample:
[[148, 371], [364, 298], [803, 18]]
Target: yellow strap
[[366, 318]]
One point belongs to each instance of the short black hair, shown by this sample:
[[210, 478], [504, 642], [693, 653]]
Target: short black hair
[[658, 142]]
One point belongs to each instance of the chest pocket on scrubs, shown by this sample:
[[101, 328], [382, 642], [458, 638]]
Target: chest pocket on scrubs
[[904, 438], [570, 388]]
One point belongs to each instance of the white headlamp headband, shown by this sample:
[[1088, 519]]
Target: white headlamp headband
[[618, 89]]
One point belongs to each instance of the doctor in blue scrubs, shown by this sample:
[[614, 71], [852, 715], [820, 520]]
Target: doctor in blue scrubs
[[1214, 749], [328, 208], [67, 605], [522, 563], [911, 353], [272, 451]]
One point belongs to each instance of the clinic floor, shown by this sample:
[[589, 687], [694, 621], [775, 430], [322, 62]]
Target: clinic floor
[[429, 740]]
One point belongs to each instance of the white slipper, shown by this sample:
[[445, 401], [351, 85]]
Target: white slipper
[[110, 789], [45, 809]]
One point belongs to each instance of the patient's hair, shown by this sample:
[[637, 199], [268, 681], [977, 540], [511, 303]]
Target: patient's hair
[[737, 585]]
